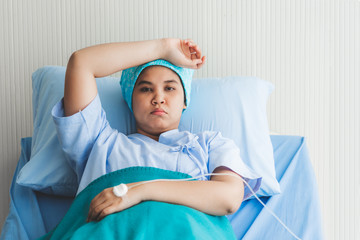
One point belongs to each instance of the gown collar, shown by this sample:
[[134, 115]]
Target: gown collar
[[171, 138]]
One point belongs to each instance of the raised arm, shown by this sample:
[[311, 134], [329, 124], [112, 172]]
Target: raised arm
[[105, 59]]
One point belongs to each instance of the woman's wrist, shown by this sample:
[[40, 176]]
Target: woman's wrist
[[163, 48], [138, 192]]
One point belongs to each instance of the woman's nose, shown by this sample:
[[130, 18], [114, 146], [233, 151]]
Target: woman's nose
[[158, 99]]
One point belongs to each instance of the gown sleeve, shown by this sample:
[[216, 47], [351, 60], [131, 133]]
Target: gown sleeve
[[224, 152], [77, 133]]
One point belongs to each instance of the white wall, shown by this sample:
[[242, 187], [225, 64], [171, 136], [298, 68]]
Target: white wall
[[308, 48]]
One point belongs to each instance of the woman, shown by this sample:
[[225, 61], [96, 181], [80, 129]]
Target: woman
[[157, 94]]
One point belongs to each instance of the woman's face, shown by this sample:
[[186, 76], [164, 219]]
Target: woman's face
[[157, 101]]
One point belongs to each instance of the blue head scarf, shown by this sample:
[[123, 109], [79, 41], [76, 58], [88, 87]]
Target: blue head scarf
[[130, 75]]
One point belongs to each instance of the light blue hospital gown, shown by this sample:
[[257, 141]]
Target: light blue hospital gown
[[93, 148]]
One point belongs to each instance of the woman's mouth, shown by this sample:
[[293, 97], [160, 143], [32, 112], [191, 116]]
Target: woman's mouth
[[158, 112]]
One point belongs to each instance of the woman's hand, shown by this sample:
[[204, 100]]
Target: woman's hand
[[184, 53], [106, 203]]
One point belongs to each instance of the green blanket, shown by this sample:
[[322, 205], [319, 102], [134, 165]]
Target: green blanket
[[147, 220]]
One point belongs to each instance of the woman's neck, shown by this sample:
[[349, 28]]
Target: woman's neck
[[151, 135]]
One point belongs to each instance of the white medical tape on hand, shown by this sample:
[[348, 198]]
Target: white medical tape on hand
[[120, 190]]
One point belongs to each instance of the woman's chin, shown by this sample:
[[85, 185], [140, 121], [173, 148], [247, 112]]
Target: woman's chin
[[157, 126]]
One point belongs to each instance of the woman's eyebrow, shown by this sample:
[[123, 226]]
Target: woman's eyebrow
[[171, 81], [150, 83], [143, 82]]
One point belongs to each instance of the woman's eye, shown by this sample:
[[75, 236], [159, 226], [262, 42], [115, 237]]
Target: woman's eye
[[145, 89], [170, 88]]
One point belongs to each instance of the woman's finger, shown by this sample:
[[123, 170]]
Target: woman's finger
[[198, 55], [202, 63], [98, 200], [99, 209], [94, 203], [92, 213], [192, 54], [195, 51], [191, 44], [198, 51], [107, 211]]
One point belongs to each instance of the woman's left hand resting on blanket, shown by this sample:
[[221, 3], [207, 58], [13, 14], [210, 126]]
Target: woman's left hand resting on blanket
[[222, 195]]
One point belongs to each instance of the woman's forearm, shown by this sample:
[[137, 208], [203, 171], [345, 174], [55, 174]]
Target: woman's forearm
[[105, 59], [211, 197], [222, 195], [102, 60]]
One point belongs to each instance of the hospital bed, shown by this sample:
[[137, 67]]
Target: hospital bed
[[282, 160], [32, 214]]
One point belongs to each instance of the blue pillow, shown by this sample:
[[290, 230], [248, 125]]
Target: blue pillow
[[235, 106]]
